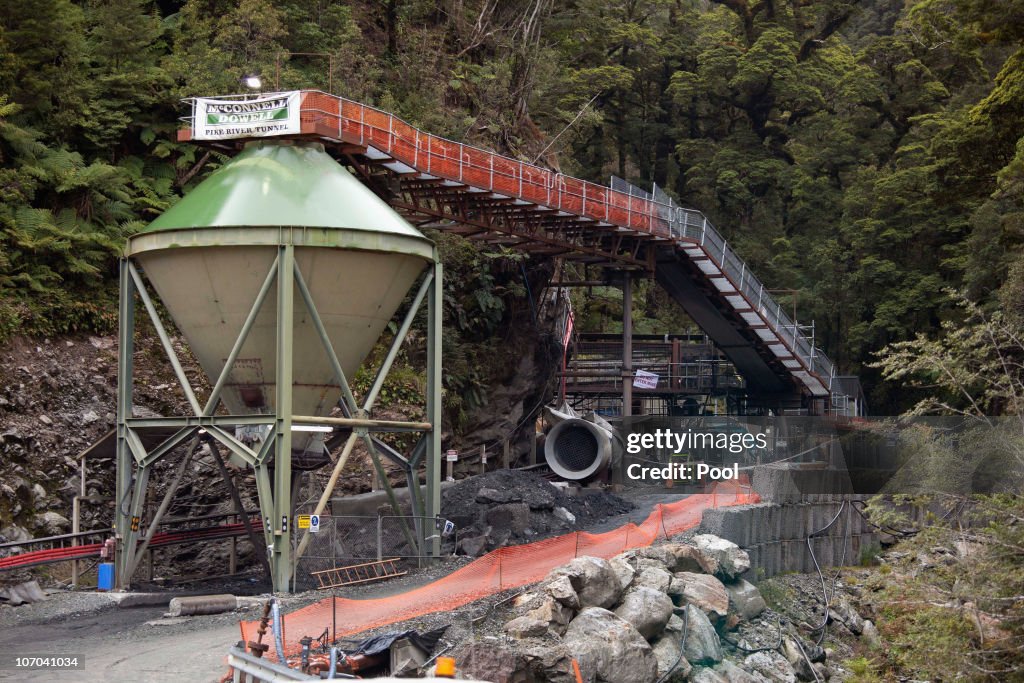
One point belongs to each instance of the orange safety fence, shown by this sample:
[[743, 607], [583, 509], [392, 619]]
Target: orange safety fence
[[498, 570]]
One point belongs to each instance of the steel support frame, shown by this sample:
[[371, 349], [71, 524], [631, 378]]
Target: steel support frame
[[134, 461]]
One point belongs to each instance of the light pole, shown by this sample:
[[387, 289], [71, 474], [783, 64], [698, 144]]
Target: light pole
[[330, 67]]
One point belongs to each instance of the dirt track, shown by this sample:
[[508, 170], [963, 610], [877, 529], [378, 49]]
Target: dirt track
[[118, 644]]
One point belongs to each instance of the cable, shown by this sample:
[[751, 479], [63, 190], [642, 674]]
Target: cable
[[824, 590], [682, 647], [810, 664]]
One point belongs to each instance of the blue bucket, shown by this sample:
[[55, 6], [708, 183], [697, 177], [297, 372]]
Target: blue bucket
[[105, 580]]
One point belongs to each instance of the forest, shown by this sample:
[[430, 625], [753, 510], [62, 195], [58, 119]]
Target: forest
[[863, 156]]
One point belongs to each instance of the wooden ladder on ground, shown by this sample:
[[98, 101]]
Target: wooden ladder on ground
[[357, 573]]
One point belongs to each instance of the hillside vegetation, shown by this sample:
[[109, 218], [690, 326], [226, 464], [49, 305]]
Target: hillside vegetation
[[864, 154]]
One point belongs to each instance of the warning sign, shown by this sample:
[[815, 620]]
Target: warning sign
[[304, 521], [645, 380], [452, 455]]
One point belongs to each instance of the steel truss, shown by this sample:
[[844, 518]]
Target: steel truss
[[270, 461]]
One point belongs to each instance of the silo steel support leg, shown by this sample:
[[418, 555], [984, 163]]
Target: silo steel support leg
[[627, 345], [125, 351], [280, 560], [435, 302]]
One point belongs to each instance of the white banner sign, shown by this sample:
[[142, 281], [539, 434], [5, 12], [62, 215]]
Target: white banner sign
[[260, 117], [645, 380]]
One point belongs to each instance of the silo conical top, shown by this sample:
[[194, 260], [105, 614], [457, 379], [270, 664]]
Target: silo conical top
[[209, 254]]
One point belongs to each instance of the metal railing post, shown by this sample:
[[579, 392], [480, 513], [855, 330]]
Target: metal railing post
[[380, 536]]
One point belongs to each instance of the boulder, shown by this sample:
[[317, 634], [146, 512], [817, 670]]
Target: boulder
[[526, 627], [801, 665], [593, 579], [488, 661], [566, 516], [473, 546], [487, 496], [561, 590], [770, 665], [702, 674], [608, 649], [554, 614], [725, 559], [52, 523], [670, 659], [870, 634], [688, 559], [660, 553], [657, 578], [842, 611], [22, 594], [733, 674], [703, 591], [702, 644], [511, 517], [744, 599], [15, 534], [623, 570], [647, 609]]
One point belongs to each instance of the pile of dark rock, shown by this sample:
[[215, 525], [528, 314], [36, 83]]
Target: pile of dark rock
[[670, 612], [511, 507]]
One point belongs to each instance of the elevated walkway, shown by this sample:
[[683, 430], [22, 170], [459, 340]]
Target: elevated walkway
[[452, 186]]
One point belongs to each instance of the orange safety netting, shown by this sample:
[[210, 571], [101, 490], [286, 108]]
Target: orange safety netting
[[498, 570]]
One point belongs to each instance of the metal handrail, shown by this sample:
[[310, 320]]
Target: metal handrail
[[642, 211]]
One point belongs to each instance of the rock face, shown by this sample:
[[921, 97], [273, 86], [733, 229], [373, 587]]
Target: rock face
[[725, 559], [745, 600], [702, 591], [702, 643], [609, 649], [842, 611], [647, 609], [593, 579]]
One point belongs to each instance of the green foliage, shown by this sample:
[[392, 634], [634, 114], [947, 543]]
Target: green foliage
[[862, 670], [866, 155]]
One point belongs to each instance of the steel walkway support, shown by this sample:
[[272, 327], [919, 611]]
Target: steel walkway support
[[136, 452], [505, 202], [627, 345]]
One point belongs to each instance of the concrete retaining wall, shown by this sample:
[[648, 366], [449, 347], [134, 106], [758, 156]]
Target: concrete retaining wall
[[775, 534]]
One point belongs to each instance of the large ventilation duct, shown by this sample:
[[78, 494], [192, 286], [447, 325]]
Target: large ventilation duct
[[580, 448]]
